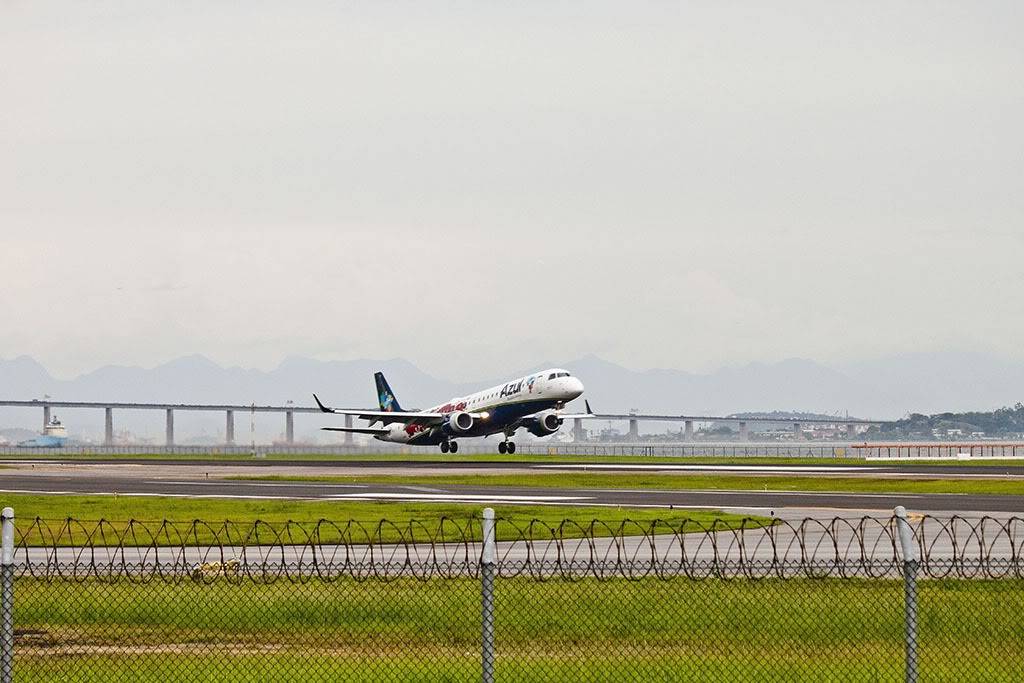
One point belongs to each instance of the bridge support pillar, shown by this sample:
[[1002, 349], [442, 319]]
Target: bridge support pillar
[[170, 427], [229, 428], [688, 431], [46, 416], [108, 426], [634, 430], [798, 430], [744, 432], [289, 427], [577, 430], [851, 432], [348, 425]]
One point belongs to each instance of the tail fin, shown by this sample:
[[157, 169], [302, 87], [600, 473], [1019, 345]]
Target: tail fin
[[385, 396]]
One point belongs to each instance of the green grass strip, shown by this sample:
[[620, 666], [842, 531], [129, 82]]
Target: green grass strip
[[232, 520]]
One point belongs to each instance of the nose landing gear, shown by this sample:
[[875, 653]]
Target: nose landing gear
[[507, 447]]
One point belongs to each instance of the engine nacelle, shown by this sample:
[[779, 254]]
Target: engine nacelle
[[543, 424], [458, 423]]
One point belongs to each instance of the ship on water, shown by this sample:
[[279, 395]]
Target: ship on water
[[54, 435]]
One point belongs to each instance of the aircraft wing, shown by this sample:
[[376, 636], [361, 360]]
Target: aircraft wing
[[355, 430], [589, 415], [389, 416]]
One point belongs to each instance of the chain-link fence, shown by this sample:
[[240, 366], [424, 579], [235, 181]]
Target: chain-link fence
[[814, 600], [703, 449]]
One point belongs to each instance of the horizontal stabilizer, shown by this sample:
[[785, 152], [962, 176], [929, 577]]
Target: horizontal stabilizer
[[356, 430]]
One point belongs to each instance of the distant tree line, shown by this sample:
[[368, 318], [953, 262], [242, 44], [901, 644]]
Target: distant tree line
[[1002, 422]]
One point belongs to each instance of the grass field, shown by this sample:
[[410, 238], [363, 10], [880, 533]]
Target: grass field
[[407, 629], [273, 514], [671, 481]]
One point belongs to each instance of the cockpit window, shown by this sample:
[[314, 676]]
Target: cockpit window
[[556, 375]]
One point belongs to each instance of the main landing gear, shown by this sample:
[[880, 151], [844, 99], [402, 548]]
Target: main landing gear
[[507, 447], [449, 447]]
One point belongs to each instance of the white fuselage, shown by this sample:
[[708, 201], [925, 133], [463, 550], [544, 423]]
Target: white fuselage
[[500, 409]]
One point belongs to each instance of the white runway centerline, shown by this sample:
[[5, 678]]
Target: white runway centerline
[[258, 484]]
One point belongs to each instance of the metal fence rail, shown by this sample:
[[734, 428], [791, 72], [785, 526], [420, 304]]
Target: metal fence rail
[[736, 449], [485, 599], [705, 449]]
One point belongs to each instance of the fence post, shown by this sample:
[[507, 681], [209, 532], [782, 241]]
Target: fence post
[[910, 564], [7, 596], [487, 581]]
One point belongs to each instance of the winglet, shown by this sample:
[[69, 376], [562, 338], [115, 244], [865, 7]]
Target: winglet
[[323, 408], [587, 404]]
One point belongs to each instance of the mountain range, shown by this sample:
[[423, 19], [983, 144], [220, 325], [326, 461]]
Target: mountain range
[[885, 388]]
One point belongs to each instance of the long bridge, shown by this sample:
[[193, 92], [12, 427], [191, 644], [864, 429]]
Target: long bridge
[[289, 411]]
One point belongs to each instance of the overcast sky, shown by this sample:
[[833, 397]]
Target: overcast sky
[[481, 188]]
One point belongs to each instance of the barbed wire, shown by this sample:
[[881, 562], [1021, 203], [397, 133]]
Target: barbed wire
[[955, 547]]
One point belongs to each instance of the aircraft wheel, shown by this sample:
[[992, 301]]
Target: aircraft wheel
[[454, 447], [502, 448], [444, 447], [511, 447]]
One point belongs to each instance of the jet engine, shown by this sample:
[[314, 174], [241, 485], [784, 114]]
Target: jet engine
[[458, 423], [543, 424]]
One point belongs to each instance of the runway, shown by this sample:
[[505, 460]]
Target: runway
[[190, 482]]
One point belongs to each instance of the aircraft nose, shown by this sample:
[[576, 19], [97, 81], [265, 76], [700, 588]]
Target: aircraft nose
[[575, 387]]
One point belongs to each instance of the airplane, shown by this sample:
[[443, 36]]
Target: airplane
[[533, 402]]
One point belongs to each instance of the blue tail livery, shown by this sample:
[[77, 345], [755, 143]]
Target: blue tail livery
[[386, 397]]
